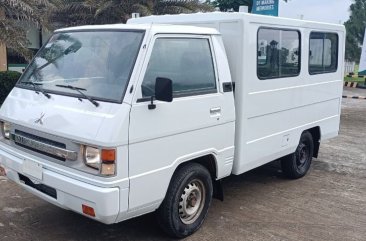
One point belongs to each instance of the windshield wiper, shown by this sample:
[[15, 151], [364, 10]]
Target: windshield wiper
[[37, 88], [80, 91], [71, 49]]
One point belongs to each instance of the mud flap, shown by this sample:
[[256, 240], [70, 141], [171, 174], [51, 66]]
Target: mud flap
[[218, 192]]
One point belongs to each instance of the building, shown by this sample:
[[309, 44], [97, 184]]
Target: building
[[3, 58], [10, 60]]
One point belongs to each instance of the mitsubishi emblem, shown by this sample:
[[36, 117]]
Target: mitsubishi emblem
[[40, 119]]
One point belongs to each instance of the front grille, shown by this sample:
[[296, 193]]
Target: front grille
[[40, 187], [43, 140]]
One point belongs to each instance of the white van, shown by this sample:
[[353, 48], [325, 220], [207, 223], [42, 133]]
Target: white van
[[116, 121]]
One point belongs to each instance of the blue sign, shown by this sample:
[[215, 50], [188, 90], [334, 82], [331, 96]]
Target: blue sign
[[265, 7]]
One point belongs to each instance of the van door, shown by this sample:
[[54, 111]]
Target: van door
[[199, 121]]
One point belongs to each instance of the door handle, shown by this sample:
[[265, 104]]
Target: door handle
[[214, 112]]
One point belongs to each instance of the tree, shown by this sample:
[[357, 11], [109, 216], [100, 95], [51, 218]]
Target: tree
[[355, 30], [80, 12], [13, 15], [226, 5]]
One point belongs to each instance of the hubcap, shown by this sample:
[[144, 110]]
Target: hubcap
[[302, 156], [191, 202]]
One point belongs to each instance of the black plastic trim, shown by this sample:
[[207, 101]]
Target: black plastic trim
[[227, 87], [49, 191]]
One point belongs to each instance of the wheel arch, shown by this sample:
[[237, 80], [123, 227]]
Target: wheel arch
[[209, 161], [316, 134]]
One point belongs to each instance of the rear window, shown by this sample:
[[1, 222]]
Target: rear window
[[323, 54]]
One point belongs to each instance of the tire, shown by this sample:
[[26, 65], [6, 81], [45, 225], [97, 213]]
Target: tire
[[296, 165], [191, 187]]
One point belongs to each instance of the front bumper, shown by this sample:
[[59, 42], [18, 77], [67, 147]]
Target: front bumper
[[71, 194]]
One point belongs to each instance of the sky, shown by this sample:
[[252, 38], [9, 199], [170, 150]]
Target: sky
[[331, 11]]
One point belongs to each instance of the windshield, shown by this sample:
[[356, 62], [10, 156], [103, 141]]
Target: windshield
[[100, 62]]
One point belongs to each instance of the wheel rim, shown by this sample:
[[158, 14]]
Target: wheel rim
[[192, 201], [302, 157]]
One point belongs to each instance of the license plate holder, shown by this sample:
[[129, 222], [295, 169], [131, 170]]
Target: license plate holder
[[33, 169]]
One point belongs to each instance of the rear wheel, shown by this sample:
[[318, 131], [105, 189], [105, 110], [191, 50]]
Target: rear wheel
[[296, 165], [187, 201]]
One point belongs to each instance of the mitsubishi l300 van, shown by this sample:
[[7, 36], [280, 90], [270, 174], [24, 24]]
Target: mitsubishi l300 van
[[116, 121]]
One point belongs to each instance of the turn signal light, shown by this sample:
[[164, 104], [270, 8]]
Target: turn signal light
[[108, 155], [108, 162], [88, 210]]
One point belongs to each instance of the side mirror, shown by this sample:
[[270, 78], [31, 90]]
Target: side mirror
[[164, 89]]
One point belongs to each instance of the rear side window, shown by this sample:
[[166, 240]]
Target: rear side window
[[186, 61], [323, 55], [278, 53]]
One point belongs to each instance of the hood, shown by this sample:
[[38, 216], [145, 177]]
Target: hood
[[106, 125]]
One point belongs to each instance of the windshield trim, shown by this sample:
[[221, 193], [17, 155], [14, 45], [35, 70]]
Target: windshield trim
[[76, 95]]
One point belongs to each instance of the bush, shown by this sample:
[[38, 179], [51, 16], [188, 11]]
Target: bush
[[8, 80]]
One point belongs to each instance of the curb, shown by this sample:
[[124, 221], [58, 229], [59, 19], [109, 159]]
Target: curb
[[354, 85], [354, 97], [350, 84]]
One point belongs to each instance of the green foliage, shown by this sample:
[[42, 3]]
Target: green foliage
[[8, 80], [226, 5], [353, 79], [13, 15], [79, 12], [355, 30]]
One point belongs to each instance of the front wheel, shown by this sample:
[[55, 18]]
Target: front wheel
[[187, 201], [296, 165]]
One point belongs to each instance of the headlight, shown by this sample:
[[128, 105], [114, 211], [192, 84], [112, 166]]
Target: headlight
[[103, 160], [92, 157], [5, 129]]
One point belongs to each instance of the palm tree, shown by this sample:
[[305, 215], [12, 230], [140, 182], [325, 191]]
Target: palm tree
[[13, 15], [80, 12]]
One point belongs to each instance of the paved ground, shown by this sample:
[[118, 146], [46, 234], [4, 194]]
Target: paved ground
[[354, 92], [328, 204]]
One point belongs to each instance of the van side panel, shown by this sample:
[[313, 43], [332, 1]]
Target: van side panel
[[277, 111]]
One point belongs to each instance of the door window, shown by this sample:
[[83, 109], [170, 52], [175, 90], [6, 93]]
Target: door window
[[186, 61]]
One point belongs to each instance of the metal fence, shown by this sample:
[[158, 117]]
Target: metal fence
[[349, 67]]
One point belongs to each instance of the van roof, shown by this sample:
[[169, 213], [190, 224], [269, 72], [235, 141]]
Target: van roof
[[233, 16], [156, 28]]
